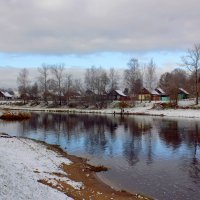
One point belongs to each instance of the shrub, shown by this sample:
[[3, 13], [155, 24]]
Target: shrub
[[10, 116], [164, 105], [121, 104]]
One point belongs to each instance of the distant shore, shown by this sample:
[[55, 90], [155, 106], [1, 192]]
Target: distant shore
[[140, 109]]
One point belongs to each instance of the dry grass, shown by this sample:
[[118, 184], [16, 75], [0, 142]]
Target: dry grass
[[11, 116]]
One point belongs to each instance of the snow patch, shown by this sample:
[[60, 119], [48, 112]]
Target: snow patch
[[23, 163]]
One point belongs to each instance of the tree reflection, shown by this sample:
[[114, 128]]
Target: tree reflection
[[193, 165], [140, 142], [96, 130], [169, 132], [133, 146]]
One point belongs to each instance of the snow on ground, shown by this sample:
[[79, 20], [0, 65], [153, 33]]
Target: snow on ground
[[20, 159], [139, 108]]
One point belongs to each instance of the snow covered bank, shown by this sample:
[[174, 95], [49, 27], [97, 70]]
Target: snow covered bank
[[139, 109], [33, 170], [23, 163]]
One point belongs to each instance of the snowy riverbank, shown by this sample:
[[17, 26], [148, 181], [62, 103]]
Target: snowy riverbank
[[23, 163], [36, 171], [139, 109]]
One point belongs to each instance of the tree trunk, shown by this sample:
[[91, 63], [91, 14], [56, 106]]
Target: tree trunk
[[197, 88]]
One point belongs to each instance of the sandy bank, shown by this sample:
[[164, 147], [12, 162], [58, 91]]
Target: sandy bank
[[34, 170]]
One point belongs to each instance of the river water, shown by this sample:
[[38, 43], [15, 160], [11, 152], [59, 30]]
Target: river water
[[156, 156]]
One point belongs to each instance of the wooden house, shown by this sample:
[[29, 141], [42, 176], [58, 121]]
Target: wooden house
[[144, 95], [162, 94], [183, 94], [155, 96], [117, 95], [159, 95], [5, 96], [147, 95]]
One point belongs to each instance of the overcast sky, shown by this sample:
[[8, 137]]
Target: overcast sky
[[81, 33]]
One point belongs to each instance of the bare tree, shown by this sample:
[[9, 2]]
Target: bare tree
[[23, 84], [90, 76], [150, 75], [133, 77], [101, 81], [58, 73], [171, 82], [34, 92], [113, 79], [68, 89], [43, 80], [192, 61], [165, 80], [96, 80], [78, 86]]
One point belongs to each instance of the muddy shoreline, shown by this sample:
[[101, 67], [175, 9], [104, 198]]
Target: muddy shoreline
[[79, 171], [94, 187]]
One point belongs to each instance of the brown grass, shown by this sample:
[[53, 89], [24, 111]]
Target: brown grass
[[11, 116]]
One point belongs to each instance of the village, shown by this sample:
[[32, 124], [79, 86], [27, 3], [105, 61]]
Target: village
[[99, 100], [115, 95]]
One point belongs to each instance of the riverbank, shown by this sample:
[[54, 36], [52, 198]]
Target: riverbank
[[139, 109], [34, 170]]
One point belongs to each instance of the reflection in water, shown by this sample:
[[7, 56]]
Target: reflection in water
[[172, 137], [151, 155]]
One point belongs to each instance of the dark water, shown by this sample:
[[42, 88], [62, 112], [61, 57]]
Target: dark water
[[155, 156]]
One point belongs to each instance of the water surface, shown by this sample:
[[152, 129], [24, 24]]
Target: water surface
[[151, 155]]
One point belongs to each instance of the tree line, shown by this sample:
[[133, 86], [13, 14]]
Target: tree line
[[56, 84]]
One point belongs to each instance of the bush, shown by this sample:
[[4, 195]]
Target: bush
[[165, 105], [9, 116], [34, 103], [19, 104], [72, 104], [121, 104]]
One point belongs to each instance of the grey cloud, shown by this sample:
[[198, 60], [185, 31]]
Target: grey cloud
[[86, 26]]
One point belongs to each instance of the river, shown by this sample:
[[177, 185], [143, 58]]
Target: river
[[156, 156]]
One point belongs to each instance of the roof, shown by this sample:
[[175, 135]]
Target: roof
[[154, 92], [120, 93], [160, 90], [184, 91], [145, 91], [6, 94]]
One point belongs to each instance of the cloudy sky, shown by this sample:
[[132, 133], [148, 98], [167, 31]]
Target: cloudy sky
[[106, 33]]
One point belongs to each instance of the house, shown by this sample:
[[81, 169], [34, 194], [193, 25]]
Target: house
[[155, 96], [5, 96], [72, 95], [117, 95], [144, 95], [183, 94], [162, 94], [159, 95]]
